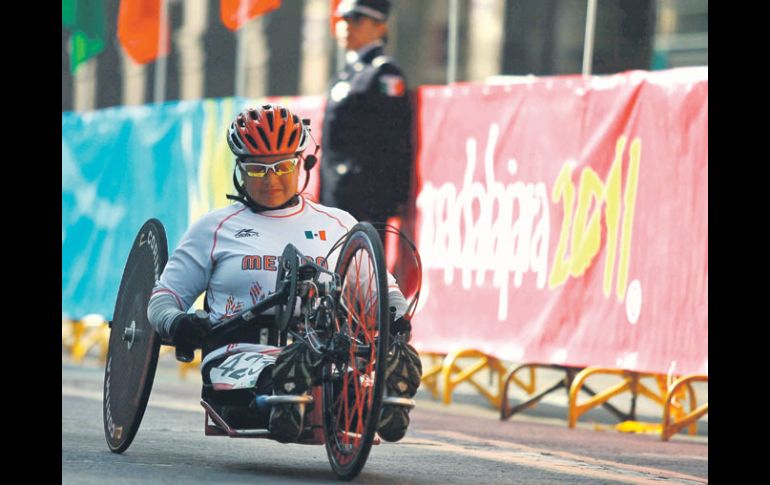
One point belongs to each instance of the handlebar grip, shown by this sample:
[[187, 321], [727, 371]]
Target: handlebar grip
[[185, 354]]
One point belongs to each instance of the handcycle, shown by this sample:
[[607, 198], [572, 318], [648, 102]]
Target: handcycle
[[343, 315]]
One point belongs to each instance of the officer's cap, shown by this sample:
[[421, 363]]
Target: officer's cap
[[376, 9]]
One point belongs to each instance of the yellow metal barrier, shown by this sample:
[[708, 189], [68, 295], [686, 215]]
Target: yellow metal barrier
[[511, 377], [431, 372], [668, 397], [630, 383], [674, 417], [185, 367], [70, 333], [506, 411], [79, 337], [452, 374]]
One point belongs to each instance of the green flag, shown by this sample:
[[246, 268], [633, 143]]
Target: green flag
[[86, 20]]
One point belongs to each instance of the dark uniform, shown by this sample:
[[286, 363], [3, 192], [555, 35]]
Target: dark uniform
[[366, 165]]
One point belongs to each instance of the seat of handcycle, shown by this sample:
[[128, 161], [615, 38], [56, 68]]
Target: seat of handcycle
[[238, 406]]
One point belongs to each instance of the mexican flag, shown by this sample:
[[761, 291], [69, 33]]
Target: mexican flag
[[86, 19]]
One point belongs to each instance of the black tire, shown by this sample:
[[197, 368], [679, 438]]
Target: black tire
[[130, 369], [351, 410]]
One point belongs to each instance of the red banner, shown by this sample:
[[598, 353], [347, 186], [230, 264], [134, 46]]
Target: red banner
[[565, 220]]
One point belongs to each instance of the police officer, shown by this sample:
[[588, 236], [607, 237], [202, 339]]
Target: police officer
[[367, 128]]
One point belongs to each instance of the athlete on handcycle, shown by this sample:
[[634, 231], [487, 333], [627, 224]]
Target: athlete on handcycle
[[233, 255]]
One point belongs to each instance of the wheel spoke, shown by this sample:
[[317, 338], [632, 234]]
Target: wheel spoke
[[351, 409]]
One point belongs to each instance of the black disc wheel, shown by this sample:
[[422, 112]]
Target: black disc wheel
[[352, 386], [132, 355]]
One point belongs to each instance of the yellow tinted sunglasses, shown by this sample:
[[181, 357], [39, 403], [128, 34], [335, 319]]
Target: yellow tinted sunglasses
[[260, 170]]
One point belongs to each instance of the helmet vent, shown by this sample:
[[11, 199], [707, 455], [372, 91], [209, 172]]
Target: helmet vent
[[281, 131], [270, 120], [284, 115], [252, 142], [254, 115], [295, 118], [293, 137], [236, 141], [263, 136]]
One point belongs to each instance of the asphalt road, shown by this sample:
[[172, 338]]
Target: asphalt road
[[461, 443]]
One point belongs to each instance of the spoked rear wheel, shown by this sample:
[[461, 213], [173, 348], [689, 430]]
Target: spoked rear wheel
[[353, 389]]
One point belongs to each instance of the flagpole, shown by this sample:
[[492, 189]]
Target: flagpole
[[160, 64], [239, 62], [451, 70], [240, 51], [588, 42], [341, 51]]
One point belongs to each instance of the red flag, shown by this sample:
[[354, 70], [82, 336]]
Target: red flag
[[139, 30], [235, 13]]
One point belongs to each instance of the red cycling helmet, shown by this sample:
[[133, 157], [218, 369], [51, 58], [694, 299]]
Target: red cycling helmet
[[270, 129]]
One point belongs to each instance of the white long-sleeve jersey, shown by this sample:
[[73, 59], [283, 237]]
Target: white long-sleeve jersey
[[233, 255]]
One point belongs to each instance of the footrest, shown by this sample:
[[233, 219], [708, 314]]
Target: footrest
[[399, 401], [221, 428], [288, 399]]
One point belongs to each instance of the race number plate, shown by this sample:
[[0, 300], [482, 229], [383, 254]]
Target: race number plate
[[240, 371], [134, 345]]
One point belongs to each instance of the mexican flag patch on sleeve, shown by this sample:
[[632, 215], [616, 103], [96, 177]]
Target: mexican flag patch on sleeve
[[392, 85]]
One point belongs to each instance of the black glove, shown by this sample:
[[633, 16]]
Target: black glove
[[188, 332]]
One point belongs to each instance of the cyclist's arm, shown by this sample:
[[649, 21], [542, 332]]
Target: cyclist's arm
[[184, 278]]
